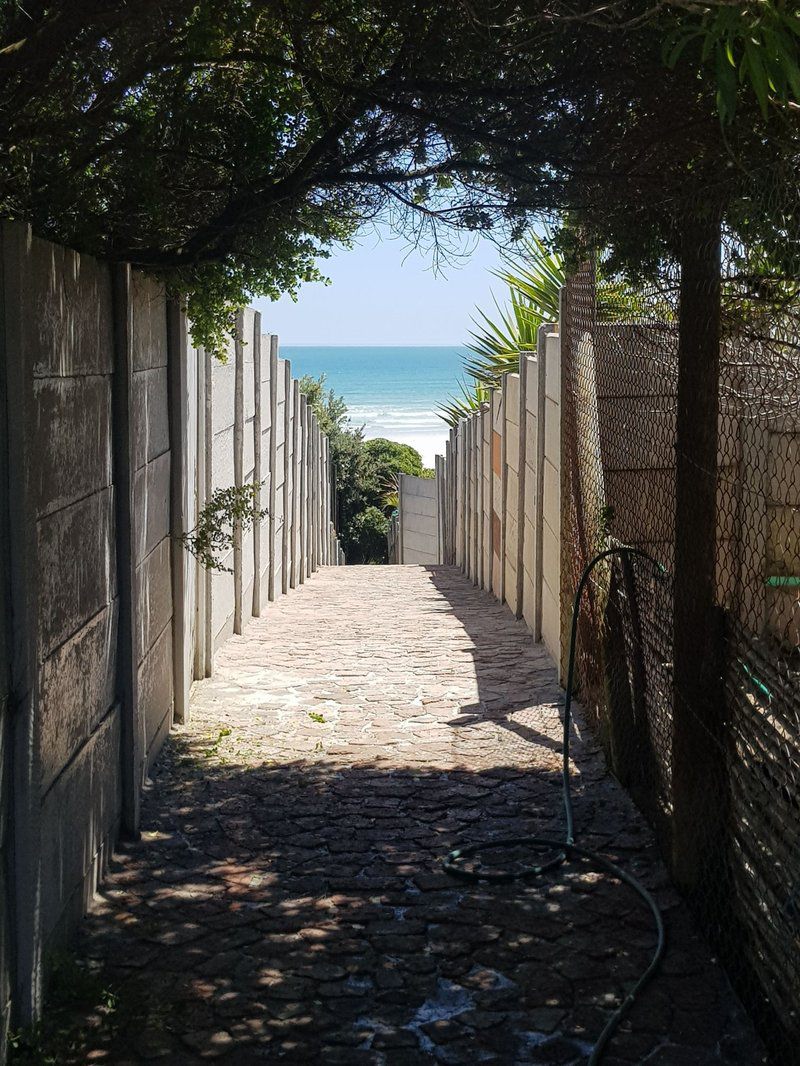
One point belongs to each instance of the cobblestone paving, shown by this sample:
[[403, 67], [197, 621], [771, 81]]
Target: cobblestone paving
[[287, 901]]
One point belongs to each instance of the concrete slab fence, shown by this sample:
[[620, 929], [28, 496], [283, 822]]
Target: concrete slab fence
[[419, 536], [500, 493], [114, 433]]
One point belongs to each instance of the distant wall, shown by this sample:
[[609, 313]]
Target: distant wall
[[114, 431], [419, 535]]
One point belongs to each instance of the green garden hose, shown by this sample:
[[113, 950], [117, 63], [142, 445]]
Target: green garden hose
[[567, 848]]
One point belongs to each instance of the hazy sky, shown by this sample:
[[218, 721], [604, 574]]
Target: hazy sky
[[383, 293]]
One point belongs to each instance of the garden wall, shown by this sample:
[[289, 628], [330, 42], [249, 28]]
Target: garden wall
[[253, 426]]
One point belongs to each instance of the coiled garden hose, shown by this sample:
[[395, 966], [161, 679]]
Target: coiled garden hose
[[567, 848]]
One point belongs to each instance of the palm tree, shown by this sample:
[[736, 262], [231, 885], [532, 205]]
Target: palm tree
[[534, 279]]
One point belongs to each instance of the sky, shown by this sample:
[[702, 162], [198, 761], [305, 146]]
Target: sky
[[383, 292]]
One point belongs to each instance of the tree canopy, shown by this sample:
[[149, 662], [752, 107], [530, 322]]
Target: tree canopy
[[229, 145]]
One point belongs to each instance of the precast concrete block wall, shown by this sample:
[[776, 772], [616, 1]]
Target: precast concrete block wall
[[252, 426], [114, 433], [419, 535], [88, 675], [501, 503]]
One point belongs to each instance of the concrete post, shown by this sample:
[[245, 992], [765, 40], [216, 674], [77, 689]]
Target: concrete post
[[200, 501], [520, 503], [296, 489], [258, 475], [208, 638], [467, 450], [504, 482], [273, 462], [309, 466], [180, 489], [287, 474], [486, 496], [448, 465], [22, 612], [238, 465], [313, 488], [317, 493], [476, 497], [541, 411], [303, 521], [461, 466], [318, 508], [327, 498], [479, 498], [133, 743], [438, 465]]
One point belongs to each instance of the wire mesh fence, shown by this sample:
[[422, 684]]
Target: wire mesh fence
[[701, 722]]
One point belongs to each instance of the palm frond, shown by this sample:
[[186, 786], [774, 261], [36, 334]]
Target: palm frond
[[534, 277], [470, 401]]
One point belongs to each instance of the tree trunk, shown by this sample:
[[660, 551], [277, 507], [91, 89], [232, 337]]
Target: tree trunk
[[697, 779]]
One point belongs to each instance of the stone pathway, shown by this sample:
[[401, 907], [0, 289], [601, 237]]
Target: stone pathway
[[287, 901]]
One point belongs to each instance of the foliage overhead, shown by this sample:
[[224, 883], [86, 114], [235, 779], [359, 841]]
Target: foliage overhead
[[228, 145]]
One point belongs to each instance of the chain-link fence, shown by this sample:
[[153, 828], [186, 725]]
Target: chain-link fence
[[699, 713]]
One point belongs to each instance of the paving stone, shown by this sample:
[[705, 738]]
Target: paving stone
[[287, 901]]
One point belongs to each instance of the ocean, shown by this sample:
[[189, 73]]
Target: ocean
[[392, 392]]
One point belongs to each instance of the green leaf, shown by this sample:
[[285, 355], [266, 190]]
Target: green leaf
[[726, 87], [758, 76], [673, 48]]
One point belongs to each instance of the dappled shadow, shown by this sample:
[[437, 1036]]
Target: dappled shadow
[[300, 913], [287, 901]]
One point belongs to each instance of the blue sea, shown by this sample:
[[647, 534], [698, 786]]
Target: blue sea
[[392, 392]]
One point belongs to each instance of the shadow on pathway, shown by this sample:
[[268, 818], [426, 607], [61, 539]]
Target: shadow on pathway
[[287, 901]]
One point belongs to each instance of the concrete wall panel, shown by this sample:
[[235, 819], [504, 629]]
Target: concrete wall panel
[[154, 578], [156, 690], [222, 386], [149, 322], [419, 520], [152, 504], [784, 468], [150, 415], [222, 465], [79, 814], [73, 429], [76, 689], [68, 310], [77, 572]]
